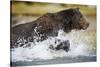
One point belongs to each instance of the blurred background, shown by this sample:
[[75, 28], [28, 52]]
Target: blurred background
[[24, 11], [21, 10]]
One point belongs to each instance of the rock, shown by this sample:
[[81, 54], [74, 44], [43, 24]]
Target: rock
[[63, 45]]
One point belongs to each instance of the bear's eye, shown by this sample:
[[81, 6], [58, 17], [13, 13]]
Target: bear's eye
[[81, 19], [81, 16]]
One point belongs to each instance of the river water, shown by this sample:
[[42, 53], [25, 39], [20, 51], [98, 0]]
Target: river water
[[82, 49]]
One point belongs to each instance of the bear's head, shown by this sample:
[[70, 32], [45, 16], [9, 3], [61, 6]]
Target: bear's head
[[73, 19]]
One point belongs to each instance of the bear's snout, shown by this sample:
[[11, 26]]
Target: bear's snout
[[85, 26]]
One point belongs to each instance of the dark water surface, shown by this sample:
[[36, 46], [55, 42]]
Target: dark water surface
[[55, 61]]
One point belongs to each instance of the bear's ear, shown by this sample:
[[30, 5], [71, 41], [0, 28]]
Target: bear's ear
[[77, 8]]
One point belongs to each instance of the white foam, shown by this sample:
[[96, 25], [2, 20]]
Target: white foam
[[41, 50]]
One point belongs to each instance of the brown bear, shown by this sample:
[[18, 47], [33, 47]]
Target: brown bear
[[48, 25]]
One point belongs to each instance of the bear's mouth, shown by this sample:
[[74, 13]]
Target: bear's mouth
[[85, 26]]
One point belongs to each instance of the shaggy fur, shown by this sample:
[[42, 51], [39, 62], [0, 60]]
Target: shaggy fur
[[48, 25]]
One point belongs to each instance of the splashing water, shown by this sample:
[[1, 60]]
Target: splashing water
[[40, 50]]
